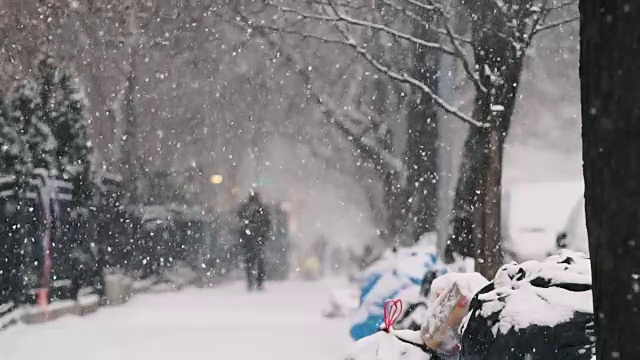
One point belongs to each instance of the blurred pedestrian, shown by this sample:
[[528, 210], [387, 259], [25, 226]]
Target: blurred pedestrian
[[255, 225], [321, 248]]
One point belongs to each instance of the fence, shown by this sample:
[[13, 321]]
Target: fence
[[35, 217], [52, 249]]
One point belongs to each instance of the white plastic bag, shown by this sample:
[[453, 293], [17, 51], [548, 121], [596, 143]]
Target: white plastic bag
[[440, 330]]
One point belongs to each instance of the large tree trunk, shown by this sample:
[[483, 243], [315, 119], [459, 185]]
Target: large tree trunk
[[476, 222], [132, 159], [421, 152], [477, 204], [609, 75], [416, 206]]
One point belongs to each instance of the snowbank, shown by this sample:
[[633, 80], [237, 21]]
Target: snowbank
[[386, 346], [342, 302]]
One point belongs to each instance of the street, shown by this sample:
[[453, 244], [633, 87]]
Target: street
[[224, 323]]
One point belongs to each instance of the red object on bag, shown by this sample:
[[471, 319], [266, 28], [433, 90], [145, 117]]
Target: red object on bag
[[392, 312]]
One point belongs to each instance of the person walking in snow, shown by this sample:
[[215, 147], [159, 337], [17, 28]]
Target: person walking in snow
[[254, 229], [321, 249]]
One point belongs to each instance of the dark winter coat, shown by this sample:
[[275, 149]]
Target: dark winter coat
[[255, 222]]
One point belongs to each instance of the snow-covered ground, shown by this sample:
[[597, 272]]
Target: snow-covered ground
[[225, 323]]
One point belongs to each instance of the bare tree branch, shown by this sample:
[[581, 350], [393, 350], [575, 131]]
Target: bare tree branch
[[401, 77], [562, 5], [420, 5], [466, 64], [404, 78], [383, 160], [413, 16], [555, 24], [339, 17], [387, 70]]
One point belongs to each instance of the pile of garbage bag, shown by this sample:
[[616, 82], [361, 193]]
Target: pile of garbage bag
[[529, 311], [534, 311], [417, 309], [435, 339], [398, 274]]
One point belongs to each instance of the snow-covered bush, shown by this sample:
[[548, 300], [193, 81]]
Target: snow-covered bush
[[15, 158], [43, 126], [64, 106], [25, 116]]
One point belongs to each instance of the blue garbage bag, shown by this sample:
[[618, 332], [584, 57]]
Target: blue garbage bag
[[395, 274]]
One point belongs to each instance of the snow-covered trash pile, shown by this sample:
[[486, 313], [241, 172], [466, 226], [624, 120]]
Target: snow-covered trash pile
[[534, 311], [438, 336], [469, 284], [414, 311], [531, 311], [398, 274], [412, 262]]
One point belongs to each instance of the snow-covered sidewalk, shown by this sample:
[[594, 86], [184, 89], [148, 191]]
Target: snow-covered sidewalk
[[225, 323]]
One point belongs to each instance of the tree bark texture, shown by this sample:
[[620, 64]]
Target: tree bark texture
[[132, 159], [421, 151], [476, 222], [609, 76], [131, 151]]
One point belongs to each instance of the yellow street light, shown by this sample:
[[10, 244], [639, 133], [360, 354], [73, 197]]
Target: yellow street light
[[216, 179]]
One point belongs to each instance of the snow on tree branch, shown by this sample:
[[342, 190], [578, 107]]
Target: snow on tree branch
[[339, 17], [562, 5], [361, 50], [555, 24], [540, 23], [456, 40], [419, 4], [415, 17], [399, 76], [383, 160], [402, 76], [466, 64]]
